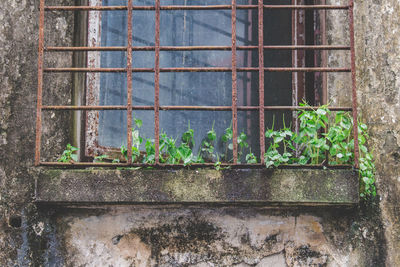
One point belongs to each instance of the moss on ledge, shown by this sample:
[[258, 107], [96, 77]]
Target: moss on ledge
[[281, 186]]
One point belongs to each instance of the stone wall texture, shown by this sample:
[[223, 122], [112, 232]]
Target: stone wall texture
[[191, 235]]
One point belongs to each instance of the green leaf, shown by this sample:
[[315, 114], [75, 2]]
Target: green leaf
[[138, 122], [211, 135], [321, 111]]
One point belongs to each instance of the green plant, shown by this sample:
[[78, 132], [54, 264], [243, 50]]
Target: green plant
[[367, 165], [68, 154], [150, 155], [226, 140], [100, 158], [242, 144], [207, 146], [284, 136], [339, 136], [322, 136], [137, 140], [312, 144], [251, 158], [217, 164], [188, 137]]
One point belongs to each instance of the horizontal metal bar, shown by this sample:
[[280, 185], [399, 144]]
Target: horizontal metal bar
[[199, 69], [199, 48], [197, 7], [194, 165], [84, 70], [212, 108], [306, 6], [228, 108], [84, 48], [105, 8], [84, 8], [84, 107], [306, 47], [313, 69], [305, 108]]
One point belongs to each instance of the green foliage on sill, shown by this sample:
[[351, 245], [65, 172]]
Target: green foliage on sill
[[321, 138], [69, 154]]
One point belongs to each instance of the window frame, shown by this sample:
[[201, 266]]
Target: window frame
[[93, 84], [234, 69]]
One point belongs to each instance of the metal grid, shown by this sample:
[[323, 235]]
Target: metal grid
[[156, 70]]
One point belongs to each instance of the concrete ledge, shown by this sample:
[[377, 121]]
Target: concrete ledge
[[281, 186]]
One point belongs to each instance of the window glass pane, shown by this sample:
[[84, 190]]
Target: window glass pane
[[143, 27], [195, 27], [143, 89], [112, 128], [201, 88], [191, 28], [143, 2]]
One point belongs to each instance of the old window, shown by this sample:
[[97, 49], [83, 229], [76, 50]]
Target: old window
[[218, 63]]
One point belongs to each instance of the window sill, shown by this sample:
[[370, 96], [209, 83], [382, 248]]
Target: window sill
[[264, 186]]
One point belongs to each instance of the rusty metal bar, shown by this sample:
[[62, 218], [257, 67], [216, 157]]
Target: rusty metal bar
[[354, 85], [84, 107], [150, 8], [129, 83], [305, 108], [261, 77], [234, 69], [234, 86], [157, 83], [85, 70], [306, 6], [197, 7], [212, 108], [40, 85], [200, 69], [85, 8], [83, 48], [306, 47], [198, 48], [194, 165]]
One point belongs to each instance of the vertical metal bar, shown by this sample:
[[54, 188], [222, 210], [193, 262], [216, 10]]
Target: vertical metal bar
[[294, 75], [298, 60], [234, 85], [353, 83], [324, 55], [157, 84], [324, 76], [129, 83], [40, 85], [261, 77]]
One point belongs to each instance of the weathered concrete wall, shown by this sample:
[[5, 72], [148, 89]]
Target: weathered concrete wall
[[368, 235], [378, 65], [216, 236]]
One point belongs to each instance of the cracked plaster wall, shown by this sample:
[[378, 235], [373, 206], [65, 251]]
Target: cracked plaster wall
[[368, 235]]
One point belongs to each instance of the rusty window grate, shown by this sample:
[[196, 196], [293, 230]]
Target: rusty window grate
[[234, 69]]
